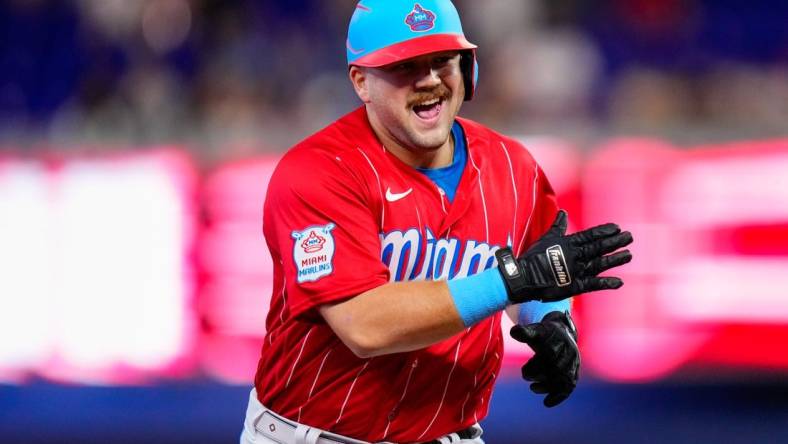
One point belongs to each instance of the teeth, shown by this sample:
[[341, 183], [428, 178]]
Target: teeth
[[429, 103]]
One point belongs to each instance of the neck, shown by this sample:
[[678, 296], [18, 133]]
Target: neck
[[416, 157]]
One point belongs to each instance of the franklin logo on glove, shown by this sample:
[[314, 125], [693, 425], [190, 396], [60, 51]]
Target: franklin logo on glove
[[562, 277]]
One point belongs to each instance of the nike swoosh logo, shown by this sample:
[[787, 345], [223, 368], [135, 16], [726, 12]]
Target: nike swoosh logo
[[351, 49], [393, 197]]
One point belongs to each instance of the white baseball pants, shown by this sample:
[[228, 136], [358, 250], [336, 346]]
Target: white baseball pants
[[262, 426]]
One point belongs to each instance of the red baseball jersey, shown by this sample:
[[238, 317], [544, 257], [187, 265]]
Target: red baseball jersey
[[342, 216]]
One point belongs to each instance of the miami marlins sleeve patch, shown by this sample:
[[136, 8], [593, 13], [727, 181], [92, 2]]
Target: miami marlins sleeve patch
[[313, 252]]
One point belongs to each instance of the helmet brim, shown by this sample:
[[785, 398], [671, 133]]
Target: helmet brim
[[414, 48]]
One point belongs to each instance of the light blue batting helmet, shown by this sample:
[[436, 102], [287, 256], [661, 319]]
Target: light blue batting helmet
[[382, 32]]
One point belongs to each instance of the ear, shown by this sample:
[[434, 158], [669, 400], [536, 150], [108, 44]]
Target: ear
[[358, 77]]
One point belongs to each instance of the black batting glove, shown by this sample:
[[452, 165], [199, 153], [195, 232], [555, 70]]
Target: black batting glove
[[555, 366], [558, 266]]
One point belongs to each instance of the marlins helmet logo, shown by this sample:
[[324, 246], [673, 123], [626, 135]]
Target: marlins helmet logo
[[420, 19]]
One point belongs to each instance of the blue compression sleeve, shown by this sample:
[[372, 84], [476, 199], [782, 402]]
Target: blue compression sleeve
[[479, 296], [535, 311]]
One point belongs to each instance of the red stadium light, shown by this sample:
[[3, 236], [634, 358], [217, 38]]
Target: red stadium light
[[236, 269], [708, 283], [101, 285]]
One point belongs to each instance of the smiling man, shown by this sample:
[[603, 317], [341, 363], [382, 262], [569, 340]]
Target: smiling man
[[411, 105], [399, 234]]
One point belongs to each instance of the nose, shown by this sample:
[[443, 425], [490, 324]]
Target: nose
[[427, 78]]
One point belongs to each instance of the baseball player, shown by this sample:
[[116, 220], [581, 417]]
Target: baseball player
[[399, 235]]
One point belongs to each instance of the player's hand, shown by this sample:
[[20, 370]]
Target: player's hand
[[555, 366], [559, 266]]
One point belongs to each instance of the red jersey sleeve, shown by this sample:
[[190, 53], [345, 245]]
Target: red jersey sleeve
[[545, 205], [545, 209], [318, 222]]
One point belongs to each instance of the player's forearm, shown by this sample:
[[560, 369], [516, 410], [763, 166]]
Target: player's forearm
[[396, 317]]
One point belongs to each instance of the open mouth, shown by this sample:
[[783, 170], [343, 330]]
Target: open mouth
[[429, 111]]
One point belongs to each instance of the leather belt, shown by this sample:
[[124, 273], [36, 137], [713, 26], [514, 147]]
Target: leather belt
[[285, 431]]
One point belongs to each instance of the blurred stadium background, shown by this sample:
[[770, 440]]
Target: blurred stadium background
[[137, 136]]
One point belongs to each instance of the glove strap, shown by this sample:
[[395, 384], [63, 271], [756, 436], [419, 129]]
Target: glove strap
[[513, 275]]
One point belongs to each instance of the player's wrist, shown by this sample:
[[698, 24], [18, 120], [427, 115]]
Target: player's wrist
[[479, 296], [536, 311], [514, 275]]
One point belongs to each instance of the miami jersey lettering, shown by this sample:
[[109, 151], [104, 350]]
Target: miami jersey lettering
[[443, 259], [362, 218]]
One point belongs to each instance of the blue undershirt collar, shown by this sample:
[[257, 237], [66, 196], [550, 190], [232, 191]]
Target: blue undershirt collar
[[448, 177]]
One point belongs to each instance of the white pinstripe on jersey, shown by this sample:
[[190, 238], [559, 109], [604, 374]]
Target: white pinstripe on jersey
[[380, 187], [484, 201], [284, 303], [442, 195], [476, 374], [309, 396], [401, 398], [448, 379], [514, 188], [418, 216], [298, 358], [533, 207], [350, 390], [467, 397], [282, 311]]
